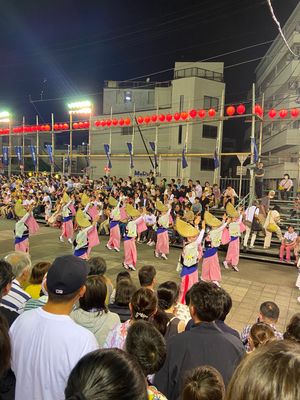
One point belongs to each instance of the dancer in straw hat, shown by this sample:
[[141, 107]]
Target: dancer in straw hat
[[114, 242], [67, 219], [162, 242], [23, 227], [81, 243], [190, 256], [92, 214]]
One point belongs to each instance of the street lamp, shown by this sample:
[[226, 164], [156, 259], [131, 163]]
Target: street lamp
[[5, 117], [83, 107]]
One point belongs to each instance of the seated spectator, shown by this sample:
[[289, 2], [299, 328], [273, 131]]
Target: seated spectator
[[21, 268], [148, 346], [147, 277], [98, 267], [296, 207], [203, 383], [260, 335], [124, 291], [143, 305], [268, 313], [216, 195], [92, 312], [121, 275], [7, 378], [292, 331], [6, 278], [106, 375], [229, 195], [197, 207], [35, 281], [60, 342], [190, 349], [285, 187], [168, 294], [288, 243], [271, 373]]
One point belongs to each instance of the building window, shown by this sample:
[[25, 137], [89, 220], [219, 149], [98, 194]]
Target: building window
[[181, 102], [127, 130], [209, 131], [180, 134], [207, 164], [128, 96], [211, 102]]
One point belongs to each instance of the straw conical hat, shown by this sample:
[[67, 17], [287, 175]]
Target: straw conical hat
[[112, 201], [186, 230], [211, 220], [161, 207], [231, 211], [131, 211], [66, 198], [19, 209], [81, 219], [85, 199]]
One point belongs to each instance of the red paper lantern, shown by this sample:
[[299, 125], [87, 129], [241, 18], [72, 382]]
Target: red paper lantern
[[169, 117], [241, 109], [294, 112], [177, 116], [108, 122], [33, 128], [272, 113], [154, 118], [65, 126], [121, 121], [193, 113], [115, 122], [80, 125], [127, 121], [147, 119], [283, 113], [184, 115], [61, 127], [201, 113], [55, 126], [230, 110], [97, 123], [15, 130], [140, 119], [103, 123], [161, 117], [86, 124], [258, 110], [211, 112], [75, 125]]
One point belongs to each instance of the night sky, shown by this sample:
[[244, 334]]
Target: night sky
[[67, 48]]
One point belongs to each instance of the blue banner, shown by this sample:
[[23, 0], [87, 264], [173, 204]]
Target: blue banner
[[49, 151], [130, 148], [152, 145], [5, 155], [19, 153], [184, 163], [107, 152], [255, 151], [68, 160], [216, 160], [33, 154]]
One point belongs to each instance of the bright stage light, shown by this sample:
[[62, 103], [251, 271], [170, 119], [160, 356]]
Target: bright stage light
[[86, 104], [4, 116]]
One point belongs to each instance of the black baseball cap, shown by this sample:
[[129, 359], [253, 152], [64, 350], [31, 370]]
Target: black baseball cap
[[66, 275]]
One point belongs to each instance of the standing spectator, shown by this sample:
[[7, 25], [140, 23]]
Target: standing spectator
[[259, 174], [251, 214], [35, 281], [147, 277], [269, 314], [92, 312], [216, 195], [265, 206], [21, 267], [271, 226], [285, 187], [6, 279], [106, 375], [46, 339], [190, 349], [198, 189], [272, 373], [148, 346], [203, 383], [288, 243]]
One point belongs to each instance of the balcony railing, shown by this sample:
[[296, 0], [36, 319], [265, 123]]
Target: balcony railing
[[199, 73]]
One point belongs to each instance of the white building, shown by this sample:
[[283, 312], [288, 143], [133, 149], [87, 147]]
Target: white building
[[194, 86], [278, 77]]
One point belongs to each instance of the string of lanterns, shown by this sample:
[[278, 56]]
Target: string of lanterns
[[230, 111]]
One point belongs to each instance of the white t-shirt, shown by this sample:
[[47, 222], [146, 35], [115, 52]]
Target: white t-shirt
[[45, 348], [250, 212]]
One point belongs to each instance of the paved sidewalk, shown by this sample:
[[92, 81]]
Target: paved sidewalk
[[256, 282]]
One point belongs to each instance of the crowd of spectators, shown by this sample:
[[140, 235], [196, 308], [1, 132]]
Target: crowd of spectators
[[86, 338]]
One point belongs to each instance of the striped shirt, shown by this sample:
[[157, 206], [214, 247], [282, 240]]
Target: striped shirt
[[16, 298]]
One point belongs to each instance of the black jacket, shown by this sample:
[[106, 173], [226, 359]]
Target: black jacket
[[204, 344]]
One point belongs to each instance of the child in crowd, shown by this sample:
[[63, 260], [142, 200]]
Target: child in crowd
[[38, 272], [288, 243]]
